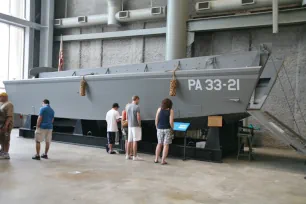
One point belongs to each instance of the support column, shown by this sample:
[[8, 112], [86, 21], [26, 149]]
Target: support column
[[176, 40], [29, 39], [275, 16], [46, 33]]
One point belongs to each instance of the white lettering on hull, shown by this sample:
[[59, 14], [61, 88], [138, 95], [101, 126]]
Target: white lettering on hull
[[214, 85]]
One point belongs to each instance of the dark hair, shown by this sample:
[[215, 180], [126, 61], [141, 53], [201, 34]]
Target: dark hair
[[46, 101], [115, 105], [134, 98], [166, 104]]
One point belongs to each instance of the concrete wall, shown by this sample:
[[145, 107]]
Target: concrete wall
[[290, 44]]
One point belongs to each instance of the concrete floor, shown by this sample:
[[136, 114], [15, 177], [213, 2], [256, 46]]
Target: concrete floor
[[77, 174]]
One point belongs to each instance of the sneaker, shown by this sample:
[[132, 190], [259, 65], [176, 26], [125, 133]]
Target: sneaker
[[137, 158], [7, 156], [36, 157], [112, 152], [127, 157], [44, 156], [4, 156]]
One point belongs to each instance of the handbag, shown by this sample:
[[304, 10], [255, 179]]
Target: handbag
[[124, 123]]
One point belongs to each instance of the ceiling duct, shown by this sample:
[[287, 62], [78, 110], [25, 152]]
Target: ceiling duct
[[221, 6], [57, 22], [82, 19], [147, 14], [123, 14], [202, 5], [247, 2], [156, 10]]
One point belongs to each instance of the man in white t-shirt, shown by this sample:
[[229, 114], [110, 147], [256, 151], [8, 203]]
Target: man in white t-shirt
[[112, 119]]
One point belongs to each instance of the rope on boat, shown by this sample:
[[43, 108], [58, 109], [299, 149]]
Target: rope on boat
[[83, 87], [173, 82]]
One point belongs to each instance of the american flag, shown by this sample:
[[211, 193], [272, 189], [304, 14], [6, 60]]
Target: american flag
[[61, 56]]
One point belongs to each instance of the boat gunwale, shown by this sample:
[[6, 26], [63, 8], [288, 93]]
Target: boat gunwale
[[254, 70]]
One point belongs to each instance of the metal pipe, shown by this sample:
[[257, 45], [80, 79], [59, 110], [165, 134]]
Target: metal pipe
[[46, 34], [146, 14], [275, 16], [91, 20], [114, 6], [114, 16], [66, 8], [176, 40], [237, 5]]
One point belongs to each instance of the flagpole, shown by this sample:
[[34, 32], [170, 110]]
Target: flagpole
[[61, 56]]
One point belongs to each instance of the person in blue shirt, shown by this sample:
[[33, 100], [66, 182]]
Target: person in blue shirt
[[44, 128]]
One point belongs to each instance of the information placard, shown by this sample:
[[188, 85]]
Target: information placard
[[182, 127]]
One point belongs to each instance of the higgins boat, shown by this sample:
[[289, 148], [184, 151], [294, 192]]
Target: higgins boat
[[233, 86], [213, 85]]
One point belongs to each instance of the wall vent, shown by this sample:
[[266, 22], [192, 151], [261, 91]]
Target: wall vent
[[156, 10], [82, 19], [247, 2], [123, 14], [205, 5], [57, 22]]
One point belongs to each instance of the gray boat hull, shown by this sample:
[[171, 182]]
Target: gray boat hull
[[199, 93]]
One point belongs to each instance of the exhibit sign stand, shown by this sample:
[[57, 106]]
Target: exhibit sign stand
[[182, 127]]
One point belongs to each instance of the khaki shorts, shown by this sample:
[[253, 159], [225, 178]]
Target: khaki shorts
[[43, 135]]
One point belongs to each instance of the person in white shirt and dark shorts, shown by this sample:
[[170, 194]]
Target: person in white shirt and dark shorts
[[112, 119]]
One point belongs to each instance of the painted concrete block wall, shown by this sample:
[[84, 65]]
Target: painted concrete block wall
[[289, 44], [96, 53]]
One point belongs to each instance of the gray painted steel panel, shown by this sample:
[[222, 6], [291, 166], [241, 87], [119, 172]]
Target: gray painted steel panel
[[103, 90], [290, 16]]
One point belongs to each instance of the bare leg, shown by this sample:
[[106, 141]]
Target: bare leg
[[110, 146], [165, 153], [129, 148], [6, 147], [126, 147], [134, 149], [37, 148], [47, 148], [157, 152]]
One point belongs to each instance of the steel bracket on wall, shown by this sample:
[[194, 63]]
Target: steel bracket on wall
[[263, 19], [113, 35]]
